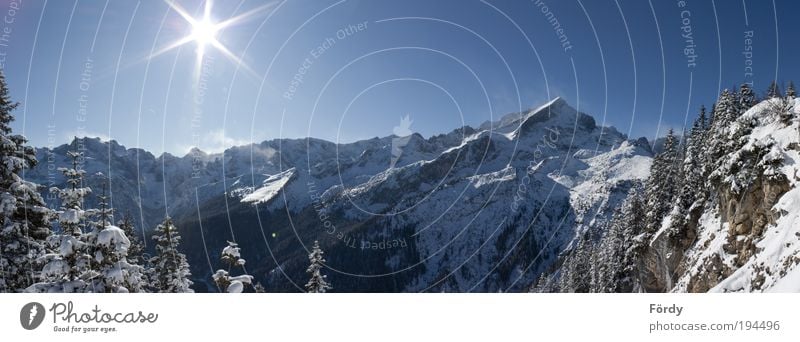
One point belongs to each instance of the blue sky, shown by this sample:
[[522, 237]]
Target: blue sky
[[85, 67]]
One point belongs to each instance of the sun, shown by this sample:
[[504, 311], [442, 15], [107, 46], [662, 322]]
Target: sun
[[204, 32]]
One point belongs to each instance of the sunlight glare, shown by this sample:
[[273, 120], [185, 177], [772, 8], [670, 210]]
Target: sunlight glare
[[204, 32]]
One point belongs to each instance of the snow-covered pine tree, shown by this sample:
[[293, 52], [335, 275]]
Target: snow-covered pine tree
[[663, 183], [576, 275], [782, 107], [634, 233], [705, 153], [136, 249], [680, 155], [318, 282], [747, 97], [232, 257], [785, 107], [24, 217], [791, 92], [726, 136], [774, 90], [616, 257], [96, 219], [545, 284], [72, 217], [718, 140], [117, 275], [170, 271], [104, 213], [693, 192], [660, 191], [608, 256], [67, 266], [110, 251]]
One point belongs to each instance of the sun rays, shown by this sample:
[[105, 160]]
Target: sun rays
[[205, 31]]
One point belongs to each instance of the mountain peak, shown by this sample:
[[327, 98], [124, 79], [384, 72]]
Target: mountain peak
[[555, 108], [196, 151], [555, 102]]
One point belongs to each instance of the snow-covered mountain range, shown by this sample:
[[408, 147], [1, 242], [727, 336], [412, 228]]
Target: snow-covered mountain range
[[719, 211], [486, 209]]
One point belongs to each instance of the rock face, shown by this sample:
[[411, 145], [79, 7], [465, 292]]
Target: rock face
[[744, 218], [748, 215], [710, 273], [660, 264]]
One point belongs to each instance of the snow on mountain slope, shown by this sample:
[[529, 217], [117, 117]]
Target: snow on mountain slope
[[758, 247], [270, 188], [606, 181], [509, 123], [790, 283], [491, 213], [470, 210]]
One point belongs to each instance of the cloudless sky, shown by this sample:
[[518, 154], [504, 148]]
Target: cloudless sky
[[87, 67]]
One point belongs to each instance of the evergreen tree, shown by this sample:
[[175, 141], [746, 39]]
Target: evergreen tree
[[67, 267], [105, 214], [616, 257], [110, 252], [116, 274], [634, 233], [725, 135], [782, 107], [136, 249], [24, 217], [663, 183], [231, 257], [545, 284], [773, 91], [317, 283], [693, 192], [576, 275], [170, 271], [718, 141], [790, 91], [608, 256], [747, 98]]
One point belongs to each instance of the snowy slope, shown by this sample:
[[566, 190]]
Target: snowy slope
[[269, 189], [727, 255], [483, 209], [475, 227], [790, 283]]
